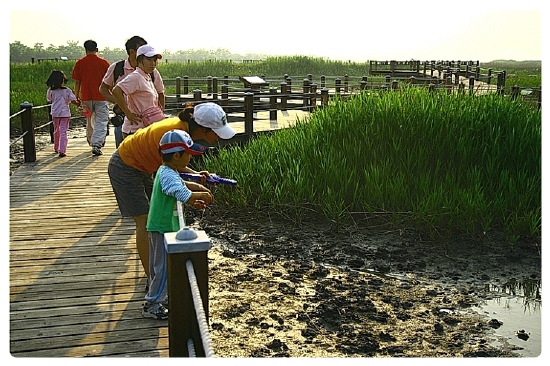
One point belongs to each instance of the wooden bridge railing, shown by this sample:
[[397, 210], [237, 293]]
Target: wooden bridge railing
[[242, 104]]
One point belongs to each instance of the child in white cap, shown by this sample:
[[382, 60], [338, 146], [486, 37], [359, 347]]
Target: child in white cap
[[176, 148]]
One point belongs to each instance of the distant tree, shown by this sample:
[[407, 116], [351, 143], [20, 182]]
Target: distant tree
[[73, 50], [19, 52]]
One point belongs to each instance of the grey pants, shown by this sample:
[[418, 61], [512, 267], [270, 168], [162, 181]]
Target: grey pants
[[158, 271], [97, 124]]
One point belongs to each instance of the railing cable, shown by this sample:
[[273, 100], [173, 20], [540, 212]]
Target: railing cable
[[199, 310]]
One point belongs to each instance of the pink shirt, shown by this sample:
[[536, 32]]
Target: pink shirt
[[140, 94], [60, 99], [128, 69]]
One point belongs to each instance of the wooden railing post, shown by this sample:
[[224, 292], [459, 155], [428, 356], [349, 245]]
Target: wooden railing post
[[182, 323], [197, 95], [313, 99], [324, 96], [305, 89], [186, 85], [323, 81], [515, 92], [273, 104], [215, 88], [178, 89], [248, 113], [346, 83], [209, 85], [337, 85], [284, 96], [29, 143], [225, 95], [471, 83]]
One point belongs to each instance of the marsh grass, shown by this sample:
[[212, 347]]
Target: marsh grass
[[446, 163]]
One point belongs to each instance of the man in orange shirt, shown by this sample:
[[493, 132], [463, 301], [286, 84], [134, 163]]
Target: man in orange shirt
[[88, 73]]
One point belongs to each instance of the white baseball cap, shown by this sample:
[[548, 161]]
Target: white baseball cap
[[148, 51], [212, 116]]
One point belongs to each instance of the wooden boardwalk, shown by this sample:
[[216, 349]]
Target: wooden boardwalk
[[75, 280]]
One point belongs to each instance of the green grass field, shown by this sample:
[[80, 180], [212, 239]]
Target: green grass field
[[444, 163]]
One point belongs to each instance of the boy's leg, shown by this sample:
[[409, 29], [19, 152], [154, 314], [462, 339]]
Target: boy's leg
[[153, 307], [157, 268]]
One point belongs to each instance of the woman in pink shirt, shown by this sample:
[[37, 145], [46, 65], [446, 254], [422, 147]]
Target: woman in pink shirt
[[136, 94], [60, 96]]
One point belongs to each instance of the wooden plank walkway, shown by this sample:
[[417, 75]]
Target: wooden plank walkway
[[75, 280]]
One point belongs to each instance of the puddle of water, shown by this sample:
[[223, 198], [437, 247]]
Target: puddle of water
[[517, 305]]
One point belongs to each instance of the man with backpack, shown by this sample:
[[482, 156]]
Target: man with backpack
[[119, 70]]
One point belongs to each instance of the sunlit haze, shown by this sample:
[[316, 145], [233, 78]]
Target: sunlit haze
[[342, 30]]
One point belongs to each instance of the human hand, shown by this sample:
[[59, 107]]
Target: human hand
[[199, 204], [133, 118]]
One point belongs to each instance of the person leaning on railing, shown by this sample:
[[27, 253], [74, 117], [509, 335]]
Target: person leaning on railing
[[132, 165], [176, 148]]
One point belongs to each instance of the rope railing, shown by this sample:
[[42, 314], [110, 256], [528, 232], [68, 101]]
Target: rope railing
[[199, 311]]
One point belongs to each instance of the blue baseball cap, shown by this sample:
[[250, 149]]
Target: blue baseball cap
[[179, 140]]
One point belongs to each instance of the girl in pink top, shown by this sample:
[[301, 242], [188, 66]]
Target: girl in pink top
[[136, 94], [60, 97]]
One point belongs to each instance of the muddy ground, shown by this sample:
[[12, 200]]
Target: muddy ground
[[281, 289], [278, 289]]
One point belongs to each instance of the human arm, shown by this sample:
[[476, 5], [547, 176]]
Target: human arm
[[118, 95], [105, 90], [162, 101], [77, 89], [159, 87], [193, 194]]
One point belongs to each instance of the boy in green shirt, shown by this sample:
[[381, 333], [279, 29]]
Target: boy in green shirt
[[176, 148]]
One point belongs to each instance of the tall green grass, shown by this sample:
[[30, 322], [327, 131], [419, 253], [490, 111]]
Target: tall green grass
[[446, 163]]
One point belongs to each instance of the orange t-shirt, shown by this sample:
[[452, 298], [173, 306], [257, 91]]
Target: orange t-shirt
[[90, 70], [141, 150]]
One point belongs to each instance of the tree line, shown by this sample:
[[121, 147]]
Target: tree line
[[73, 50]]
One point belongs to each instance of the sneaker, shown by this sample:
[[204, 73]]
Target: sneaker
[[97, 151], [62, 155], [165, 303], [154, 311]]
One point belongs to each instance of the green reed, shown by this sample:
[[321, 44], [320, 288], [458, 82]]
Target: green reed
[[448, 163]]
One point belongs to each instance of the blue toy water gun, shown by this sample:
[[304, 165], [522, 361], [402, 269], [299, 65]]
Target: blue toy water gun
[[213, 179]]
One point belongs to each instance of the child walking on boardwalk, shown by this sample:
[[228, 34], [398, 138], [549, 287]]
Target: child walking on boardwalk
[[60, 96], [176, 148]]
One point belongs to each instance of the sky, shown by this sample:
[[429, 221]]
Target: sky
[[483, 30]]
